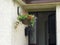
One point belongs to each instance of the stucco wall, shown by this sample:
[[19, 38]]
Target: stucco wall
[[8, 15], [58, 24], [18, 36]]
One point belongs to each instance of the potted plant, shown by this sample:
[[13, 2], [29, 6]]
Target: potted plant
[[26, 19]]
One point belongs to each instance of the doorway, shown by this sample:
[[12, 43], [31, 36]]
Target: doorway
[[45, 28]]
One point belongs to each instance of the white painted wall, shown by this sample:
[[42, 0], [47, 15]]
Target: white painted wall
[[19, 36], [58, 23], [8, 15]]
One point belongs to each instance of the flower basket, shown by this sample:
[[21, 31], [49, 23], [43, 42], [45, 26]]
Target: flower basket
[[26, 22], [26, 19]]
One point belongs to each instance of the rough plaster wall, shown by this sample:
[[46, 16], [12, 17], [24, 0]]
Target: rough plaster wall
[[58, 23], [18, 36], [7, 12], [8, 15]]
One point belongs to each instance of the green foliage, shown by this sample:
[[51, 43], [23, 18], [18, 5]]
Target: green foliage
[[32, 22], [25, 17], [22, 17]]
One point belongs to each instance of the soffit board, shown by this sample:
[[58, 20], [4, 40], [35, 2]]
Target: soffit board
[[40, 6], [39, 1]]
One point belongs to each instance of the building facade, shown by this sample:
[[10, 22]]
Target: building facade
[[8, 16]]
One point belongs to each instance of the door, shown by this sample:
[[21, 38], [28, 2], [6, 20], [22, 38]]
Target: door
[[52, 29], [45, 28]]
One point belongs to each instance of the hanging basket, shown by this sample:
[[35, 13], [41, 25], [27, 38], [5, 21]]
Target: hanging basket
[[26, 22], [26, 19]]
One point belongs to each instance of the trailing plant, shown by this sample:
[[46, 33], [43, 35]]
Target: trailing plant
[[28, 18]]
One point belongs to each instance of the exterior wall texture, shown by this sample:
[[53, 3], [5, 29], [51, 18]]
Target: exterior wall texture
[[7, 13], [11, 36], [8, 17], [58, 24]]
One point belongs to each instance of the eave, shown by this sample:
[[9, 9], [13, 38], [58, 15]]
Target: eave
[[39, 7]]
